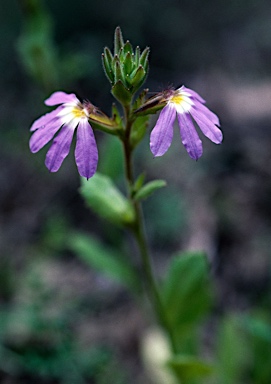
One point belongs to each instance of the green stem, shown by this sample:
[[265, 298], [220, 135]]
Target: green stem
[[140, 236], [128, 151]]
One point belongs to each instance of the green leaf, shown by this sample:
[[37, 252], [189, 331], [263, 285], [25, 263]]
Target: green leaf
[[107, 60], [139, 130], [149, 188], [186, 291], [257, 329], [187, 368], [232, 352], [128, 63], [138, 76], [116, 115], [137, 56], [106, 200], [144, 58], [139, 182], [108, 56], [121, 93], [118, 71], [103, 259], [140, 100], [118, 40], [128, 47]]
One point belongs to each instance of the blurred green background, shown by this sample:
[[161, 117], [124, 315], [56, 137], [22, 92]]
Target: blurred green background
[[62, 322]]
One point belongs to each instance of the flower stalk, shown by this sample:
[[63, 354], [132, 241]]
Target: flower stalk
[[138, 230]]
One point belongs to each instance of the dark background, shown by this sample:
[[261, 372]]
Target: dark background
[[55, 312]]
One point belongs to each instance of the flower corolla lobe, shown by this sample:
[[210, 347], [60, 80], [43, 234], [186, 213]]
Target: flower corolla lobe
[[189, 107]]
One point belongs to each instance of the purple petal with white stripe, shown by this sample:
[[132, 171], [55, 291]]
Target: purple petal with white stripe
[[60, 148], [60, 98], [208, 128], [194, 94], [205, 111], [42, 136], [86, 153], [45, 119], [190, 138], [162, 133]]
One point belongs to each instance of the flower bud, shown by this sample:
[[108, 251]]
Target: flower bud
[[125, 69]]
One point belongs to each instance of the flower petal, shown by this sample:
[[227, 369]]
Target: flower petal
[[162, 133], [86, 153], [208, 128], [192, 93], [190, 138], [60, 98], [205, 111], [42, 136], [60, 148], [45, 119]]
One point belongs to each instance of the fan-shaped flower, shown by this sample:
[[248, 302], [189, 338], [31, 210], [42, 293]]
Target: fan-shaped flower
[[188, 106], [70, 115]]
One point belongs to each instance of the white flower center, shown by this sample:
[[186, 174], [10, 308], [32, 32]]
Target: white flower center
[[182, 102], [75, 112]]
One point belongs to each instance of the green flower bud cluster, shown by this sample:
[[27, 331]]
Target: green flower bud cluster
[[126, 69]]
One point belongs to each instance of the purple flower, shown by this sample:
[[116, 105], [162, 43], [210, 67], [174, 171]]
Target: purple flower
[[70, 115], [187, 104]]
